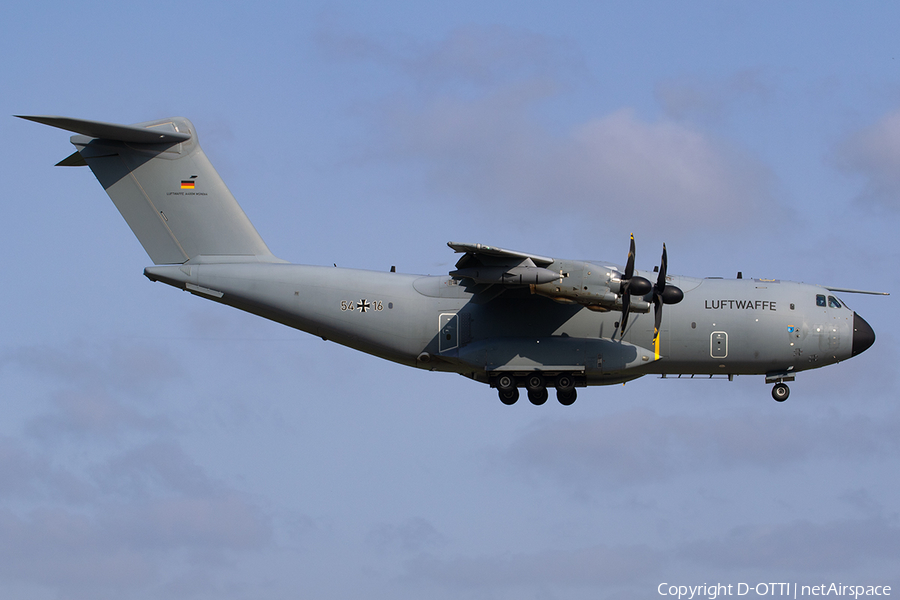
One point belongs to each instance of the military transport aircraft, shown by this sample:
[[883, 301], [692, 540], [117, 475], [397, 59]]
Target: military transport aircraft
[[508, 319]]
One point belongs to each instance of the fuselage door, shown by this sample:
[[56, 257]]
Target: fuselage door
[[448, 332], [718, 344]]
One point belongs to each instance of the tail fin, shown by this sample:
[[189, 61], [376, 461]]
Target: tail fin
[[166, 188]]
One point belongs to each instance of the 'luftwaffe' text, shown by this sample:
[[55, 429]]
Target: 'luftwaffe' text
[[740, 304]]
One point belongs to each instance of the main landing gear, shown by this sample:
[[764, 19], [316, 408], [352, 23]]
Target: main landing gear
[[536, 386]]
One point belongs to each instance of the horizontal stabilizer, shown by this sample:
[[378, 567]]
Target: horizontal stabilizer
[[73, 160], [134, 134]]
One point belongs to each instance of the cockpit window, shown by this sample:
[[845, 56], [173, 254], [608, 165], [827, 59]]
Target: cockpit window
[[833, 302], [820, 300]]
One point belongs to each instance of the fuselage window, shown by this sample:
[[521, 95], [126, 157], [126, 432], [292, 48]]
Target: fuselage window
[[820, 300], [833, 302]]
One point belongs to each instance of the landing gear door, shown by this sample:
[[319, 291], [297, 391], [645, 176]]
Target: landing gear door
[[448, 332]]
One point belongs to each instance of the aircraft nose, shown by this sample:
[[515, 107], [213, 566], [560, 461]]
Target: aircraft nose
[[863, 335]]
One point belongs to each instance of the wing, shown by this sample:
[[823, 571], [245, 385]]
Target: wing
[[487, 265], [488, 271], [481, 250]]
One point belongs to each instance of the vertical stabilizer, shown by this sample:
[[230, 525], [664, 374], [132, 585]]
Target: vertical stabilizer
[[166, 188]]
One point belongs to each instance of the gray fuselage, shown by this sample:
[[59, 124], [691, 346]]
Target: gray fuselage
[[728, 327]]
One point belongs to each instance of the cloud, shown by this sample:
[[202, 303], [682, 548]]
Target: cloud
[[157, 466], [94, 390], [64, 549], [32, 475], [474, 55], [412, 535], [802, 546], [705, 98], [616, 166], [471, 124], [587, 566], [123, 366], [640, 446], [873, 153], [98, 500], [135, 520], [87, 553], [217, 522], [91, 412]]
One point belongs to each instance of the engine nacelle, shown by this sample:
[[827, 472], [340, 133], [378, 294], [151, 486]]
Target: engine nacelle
[[520, 275]]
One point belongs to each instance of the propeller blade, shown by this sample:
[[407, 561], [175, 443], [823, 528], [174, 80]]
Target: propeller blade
[[663, 294], [631, 284], [626, 287], [663, 267], [657, 315], [658, 290], [626, 304], [629, 266]]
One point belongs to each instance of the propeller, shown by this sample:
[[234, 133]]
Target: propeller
[[663, 294], [635, 285], [638, 286]]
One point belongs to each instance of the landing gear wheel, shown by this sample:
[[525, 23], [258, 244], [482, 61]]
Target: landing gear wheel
[[781, 392], [535, 382], [538, 397], [509, 396], [565, 384], [566, 398], [505, 383]]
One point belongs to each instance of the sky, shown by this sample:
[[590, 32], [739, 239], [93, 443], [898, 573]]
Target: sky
[[153, 444]]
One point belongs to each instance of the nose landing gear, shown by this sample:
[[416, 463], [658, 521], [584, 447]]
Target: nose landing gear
[[780, 392]]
